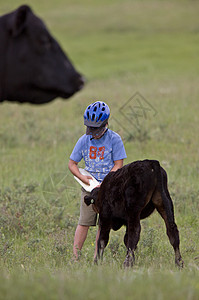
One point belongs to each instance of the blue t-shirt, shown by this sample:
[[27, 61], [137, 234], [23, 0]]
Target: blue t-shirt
[[99, 154]]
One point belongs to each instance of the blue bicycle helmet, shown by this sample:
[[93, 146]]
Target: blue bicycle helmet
[[96, 114]]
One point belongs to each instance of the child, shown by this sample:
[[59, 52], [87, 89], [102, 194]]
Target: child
[[103, 151]]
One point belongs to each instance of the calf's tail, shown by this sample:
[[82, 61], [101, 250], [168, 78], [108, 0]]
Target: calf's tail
[[163, 190]]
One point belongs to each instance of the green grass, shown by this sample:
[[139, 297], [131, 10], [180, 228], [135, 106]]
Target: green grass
[[122, 47], [106, 283]]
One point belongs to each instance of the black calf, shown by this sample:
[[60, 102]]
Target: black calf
[[128, 195]]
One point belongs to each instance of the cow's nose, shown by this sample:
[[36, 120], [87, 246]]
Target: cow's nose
[[81, 81]]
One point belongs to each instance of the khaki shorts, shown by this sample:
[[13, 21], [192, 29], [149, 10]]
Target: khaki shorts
[[88, 216]]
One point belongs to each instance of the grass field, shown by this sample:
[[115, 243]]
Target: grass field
[[134, 54]]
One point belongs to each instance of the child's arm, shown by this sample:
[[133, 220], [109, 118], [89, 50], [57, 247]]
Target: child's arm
[[72, 165], [117, 165]]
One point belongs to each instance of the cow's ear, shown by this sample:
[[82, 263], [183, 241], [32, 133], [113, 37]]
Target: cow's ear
[[19, 20]]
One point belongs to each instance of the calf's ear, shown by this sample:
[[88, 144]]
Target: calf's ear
[[88, 200], [19, 20]]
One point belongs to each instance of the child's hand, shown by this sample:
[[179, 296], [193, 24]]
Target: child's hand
[[86, 179]]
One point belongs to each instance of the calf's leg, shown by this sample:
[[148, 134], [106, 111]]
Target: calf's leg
[[165, 209], [103, 239], [131, 239], [126, 238]]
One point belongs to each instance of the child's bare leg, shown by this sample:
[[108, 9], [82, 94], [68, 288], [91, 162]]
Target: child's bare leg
[[79, 239]]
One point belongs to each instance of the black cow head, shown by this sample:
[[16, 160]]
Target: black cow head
[[33, 67]]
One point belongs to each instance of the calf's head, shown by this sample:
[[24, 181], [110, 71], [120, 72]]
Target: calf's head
[[93, 199]]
